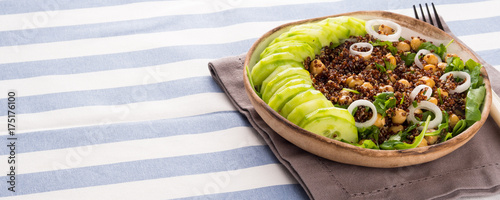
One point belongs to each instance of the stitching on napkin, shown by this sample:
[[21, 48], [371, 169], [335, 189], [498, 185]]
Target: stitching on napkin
[[333, 176], [360, 194]]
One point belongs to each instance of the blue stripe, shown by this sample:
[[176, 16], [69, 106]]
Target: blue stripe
[[115, 96], [23, 6], [474, 26], [279, 192], [179, 22], [82, 136], [126, 60], [490, 56], [140, 170]]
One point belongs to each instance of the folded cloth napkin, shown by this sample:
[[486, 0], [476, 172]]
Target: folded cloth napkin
[[472, 170]]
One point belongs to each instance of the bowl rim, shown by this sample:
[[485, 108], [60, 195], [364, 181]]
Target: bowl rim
[[452, 143]]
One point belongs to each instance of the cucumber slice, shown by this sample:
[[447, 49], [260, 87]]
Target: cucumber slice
[[287, 82], [279, 71], [356, 27], [282, 78], [299, 113], [267, 65], [308, 39], [335, 128], [322, 34], [300, 49], [300, 99], [326, 112], [279, 99]]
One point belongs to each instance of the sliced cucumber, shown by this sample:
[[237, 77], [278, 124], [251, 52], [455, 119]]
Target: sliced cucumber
[[267, 65], [279, 99], [299, 112], [282, 78], [310, 40], [287, 82], [356, 27], [300, 99], [300, 49], [322, 34], [279, 71], [325, 112], [334, 127]]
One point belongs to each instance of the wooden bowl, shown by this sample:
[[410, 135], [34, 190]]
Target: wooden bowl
[[345, 153]]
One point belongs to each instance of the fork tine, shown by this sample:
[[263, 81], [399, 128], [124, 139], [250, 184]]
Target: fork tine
[[415, 10], [422, 11], [429, 14], [438, 20]]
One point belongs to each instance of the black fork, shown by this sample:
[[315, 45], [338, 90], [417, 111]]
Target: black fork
[[436, 16]]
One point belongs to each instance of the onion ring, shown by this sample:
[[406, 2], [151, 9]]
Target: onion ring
[[428, 106], [392, 38], [462, 75], [419, 88], [361, 53], [363, 102], [424, 51]]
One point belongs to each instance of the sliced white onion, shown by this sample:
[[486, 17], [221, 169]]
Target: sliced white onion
[[424, 52], [427, 105], [419, 88], [393, 37], [361, 53], [462, 75], [363, 102]]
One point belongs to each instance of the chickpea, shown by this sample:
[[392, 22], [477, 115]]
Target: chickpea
[[433, 100], [391, 58], [399, 116], [380, 121], [431, 139], [316, 67], [443, 93], [427, 81], [423, 143], [386, 30], [345, 100], [430, 67], [403, 46], [404, 82], [386, 88], [442, 66], [415, 43], [396, 129], [418, 111], [367, 85], [392, 78], [344, 93], [431, 59], [453, 120], [354, 83]]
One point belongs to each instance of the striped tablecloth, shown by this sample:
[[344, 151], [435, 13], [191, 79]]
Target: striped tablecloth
[[113, 99]]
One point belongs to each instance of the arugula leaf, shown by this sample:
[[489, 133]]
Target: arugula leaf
[[454, 64], [401, 39], [389, 66], [368, 144], [384, 101], [380, 68], [414, 103], [351, 90], [459, 127], [394, 144], [388, 45], [409, 58], [474, 69], [443, 126], [441, 50], [371, 132], [473, 102]]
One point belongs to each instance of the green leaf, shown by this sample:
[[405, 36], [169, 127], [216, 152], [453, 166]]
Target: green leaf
[[454, 64], [351, 90], [409, 58], [474, 69], [389, 66], [384, 101], [380, 68], [459, 127], [443, 126], [441, 50], [368, 144], [387, 44], [401, 39], [371, 132], [394, 144], [473, 102]]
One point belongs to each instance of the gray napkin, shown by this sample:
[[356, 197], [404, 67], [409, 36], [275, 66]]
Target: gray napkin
[[472, 170]]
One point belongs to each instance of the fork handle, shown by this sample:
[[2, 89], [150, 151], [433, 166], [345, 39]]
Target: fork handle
[[495, 107]]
